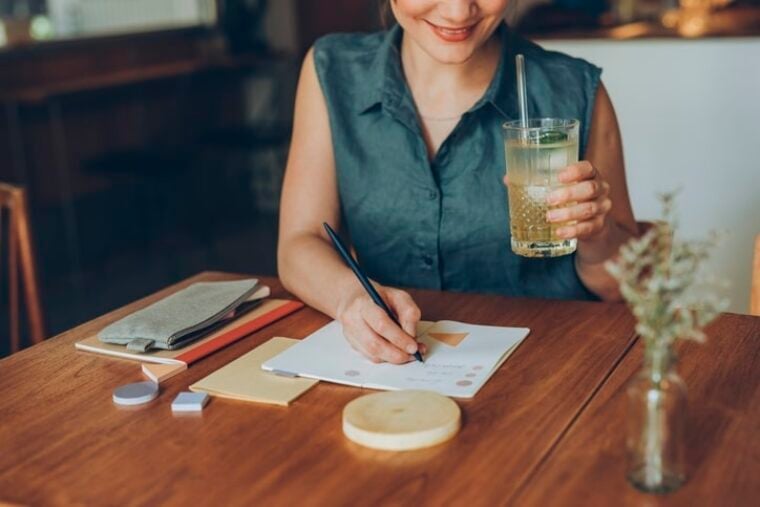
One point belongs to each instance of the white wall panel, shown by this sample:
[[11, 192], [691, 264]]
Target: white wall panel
[[689, 112]]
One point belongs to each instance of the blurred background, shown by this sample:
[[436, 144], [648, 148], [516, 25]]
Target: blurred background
[[150, 136]]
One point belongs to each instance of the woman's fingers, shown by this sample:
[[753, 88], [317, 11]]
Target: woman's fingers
[[374, 346], [589, 217], [358, 345], [405, 308], [409, 314], [582, 205], [579, 192], [580, 212], [583, 170], [381, 324], [370, 330], [583, 230]]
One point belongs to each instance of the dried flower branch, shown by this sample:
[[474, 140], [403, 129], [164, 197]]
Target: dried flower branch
[[663, 282]]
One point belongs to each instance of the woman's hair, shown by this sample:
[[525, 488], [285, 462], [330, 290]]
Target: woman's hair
[[386, 14]]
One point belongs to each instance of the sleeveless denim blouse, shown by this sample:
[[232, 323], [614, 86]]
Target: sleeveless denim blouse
[[441, 224]]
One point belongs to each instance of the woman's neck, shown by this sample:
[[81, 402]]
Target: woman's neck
[[445, 90]]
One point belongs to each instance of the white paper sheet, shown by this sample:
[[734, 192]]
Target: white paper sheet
[[460, 359]]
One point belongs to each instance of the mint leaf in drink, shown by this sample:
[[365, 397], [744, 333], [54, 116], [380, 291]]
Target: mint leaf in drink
[[551, 137]]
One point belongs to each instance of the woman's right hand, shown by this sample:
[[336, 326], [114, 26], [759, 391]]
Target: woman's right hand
[[371, 332]]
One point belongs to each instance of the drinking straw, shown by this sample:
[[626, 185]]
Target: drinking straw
[[522, 94]]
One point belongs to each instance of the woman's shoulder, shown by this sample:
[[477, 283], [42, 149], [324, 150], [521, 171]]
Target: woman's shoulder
[[349, 66], [557, 66], [348, 49]]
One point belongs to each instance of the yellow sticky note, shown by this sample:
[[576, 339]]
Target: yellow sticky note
[[243, 379]]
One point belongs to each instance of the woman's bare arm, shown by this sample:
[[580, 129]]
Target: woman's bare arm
[[308, 265], [605, 152]]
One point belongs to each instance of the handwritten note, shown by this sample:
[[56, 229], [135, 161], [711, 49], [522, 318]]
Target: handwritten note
[[459, 361]]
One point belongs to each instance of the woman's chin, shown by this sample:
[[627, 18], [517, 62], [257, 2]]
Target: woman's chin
[[452, 54]]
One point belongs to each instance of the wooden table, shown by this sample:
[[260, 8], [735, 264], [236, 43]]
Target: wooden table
[[723, 430], [531, 436]]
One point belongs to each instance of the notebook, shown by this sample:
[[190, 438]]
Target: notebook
[[243, 379], [172, 362], [460, 359]]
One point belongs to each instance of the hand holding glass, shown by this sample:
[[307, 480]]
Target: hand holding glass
[[536, 154]]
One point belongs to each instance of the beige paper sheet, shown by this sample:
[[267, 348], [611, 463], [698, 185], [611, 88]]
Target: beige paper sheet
[[243, 379]]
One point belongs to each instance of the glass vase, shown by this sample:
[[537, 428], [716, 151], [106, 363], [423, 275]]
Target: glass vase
[[655, 424]]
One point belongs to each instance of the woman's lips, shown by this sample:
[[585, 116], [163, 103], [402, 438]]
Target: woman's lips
[[452, 34]]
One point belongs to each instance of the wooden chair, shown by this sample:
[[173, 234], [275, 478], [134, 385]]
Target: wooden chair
[[754, 303], [15, 213]]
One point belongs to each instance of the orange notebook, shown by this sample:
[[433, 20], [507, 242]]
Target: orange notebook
[[162, 364]]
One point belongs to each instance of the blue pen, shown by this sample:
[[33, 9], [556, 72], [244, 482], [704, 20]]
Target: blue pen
[[363, 278]]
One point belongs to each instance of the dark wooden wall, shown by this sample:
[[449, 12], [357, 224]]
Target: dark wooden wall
[[115, 160], [40, 63], [320, 17], [103, 116], [116, 136]]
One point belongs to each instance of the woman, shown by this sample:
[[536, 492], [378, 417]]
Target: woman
[[397, 138]]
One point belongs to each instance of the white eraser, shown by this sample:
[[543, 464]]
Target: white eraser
[[189, 402]]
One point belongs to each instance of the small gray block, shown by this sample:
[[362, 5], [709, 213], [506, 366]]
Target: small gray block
[[189, 402]]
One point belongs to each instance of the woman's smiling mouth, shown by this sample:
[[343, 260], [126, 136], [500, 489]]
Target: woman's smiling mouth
[[453, 34]]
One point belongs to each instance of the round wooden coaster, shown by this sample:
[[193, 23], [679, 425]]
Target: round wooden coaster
[[401, 420]]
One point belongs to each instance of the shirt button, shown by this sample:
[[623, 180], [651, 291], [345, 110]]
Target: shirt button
[[432, 194], [427, 260]]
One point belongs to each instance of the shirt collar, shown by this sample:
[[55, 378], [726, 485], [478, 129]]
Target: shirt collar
[[501, 93], [385, 78], [388, 84]]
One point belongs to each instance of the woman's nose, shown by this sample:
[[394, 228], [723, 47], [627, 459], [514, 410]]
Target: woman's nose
[[458, 12]]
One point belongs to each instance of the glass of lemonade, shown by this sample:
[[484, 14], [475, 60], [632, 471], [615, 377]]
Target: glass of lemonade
[[535, 155]]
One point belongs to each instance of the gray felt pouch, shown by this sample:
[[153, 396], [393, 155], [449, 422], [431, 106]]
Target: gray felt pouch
[[175, 320]]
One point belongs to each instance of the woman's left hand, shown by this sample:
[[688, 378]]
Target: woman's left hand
[[584, 200]]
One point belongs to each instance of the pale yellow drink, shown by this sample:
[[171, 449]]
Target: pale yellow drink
[[535, 156]]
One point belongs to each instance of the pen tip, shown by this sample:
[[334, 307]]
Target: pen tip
[[418, 357]]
